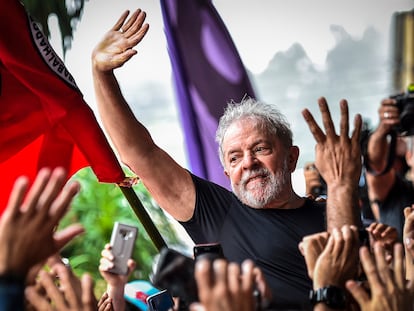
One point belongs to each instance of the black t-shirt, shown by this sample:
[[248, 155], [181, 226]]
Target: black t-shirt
[[268, 236], [392, 208]]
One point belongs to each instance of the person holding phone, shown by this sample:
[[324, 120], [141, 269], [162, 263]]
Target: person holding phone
[[115, 289], [262, 218]]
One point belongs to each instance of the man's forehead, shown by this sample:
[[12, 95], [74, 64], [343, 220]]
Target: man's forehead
[[248, 138]]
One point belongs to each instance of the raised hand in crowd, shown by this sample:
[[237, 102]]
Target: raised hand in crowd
[[328, 253], [59, 289], [224, 285], [384, 234], [408, 236], [338, 159], [331, 260], [388, 289], [28, 229], [115, 282], [105, 303], [311, 247], [339, 260]]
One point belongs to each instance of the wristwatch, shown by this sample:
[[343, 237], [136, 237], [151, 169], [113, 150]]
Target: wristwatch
[[333, 296]]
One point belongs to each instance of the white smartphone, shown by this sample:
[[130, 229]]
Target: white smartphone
[[122, 242]]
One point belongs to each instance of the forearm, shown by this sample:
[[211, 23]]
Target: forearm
[[342, 206], [409, 262], [129, 136], [377, 152], [116, 293], [169, 184]]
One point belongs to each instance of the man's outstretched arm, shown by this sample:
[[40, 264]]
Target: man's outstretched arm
[[169, 183]]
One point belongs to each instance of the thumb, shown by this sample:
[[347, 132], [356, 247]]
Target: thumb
[[64, 236]]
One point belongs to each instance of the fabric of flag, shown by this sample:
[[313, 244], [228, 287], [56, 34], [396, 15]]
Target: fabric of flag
[[44, 120], [208, 73]]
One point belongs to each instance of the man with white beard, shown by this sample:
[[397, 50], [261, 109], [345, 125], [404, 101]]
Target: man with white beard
[[263, 218]]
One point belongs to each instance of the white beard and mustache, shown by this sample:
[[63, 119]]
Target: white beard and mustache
[[271, 186]]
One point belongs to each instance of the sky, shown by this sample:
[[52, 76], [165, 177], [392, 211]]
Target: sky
[[259, 28]]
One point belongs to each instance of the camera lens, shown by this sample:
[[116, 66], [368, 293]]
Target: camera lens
[[407, 119]]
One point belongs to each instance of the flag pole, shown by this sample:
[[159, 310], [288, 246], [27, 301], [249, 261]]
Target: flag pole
[[143, 216]]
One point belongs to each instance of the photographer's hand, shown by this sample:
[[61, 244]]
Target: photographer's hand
[[389, 116], [380, 175], [378, 146]]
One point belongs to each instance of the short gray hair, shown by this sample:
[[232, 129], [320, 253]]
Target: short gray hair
[[268, 116]]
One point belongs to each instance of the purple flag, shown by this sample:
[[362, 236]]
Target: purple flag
[[208, 73]]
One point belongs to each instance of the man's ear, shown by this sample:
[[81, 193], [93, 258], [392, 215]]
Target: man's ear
[[293, 157], [226, 173]]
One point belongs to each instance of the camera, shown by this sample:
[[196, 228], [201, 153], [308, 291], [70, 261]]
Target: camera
[[405, 104], [320, 190], [175, 273], [315, 184]]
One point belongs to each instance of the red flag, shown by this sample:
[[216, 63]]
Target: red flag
[[44, 120]]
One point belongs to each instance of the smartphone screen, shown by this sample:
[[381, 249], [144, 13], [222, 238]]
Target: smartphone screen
[[122, 242], [210, 250], [161, 301]]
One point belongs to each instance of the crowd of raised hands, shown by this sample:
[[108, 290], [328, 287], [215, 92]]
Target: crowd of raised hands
[[34, 277], [368, 268], [374, 275], [29, 240]]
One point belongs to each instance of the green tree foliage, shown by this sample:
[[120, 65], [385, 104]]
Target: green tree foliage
[[68, 13], [97, 207]]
